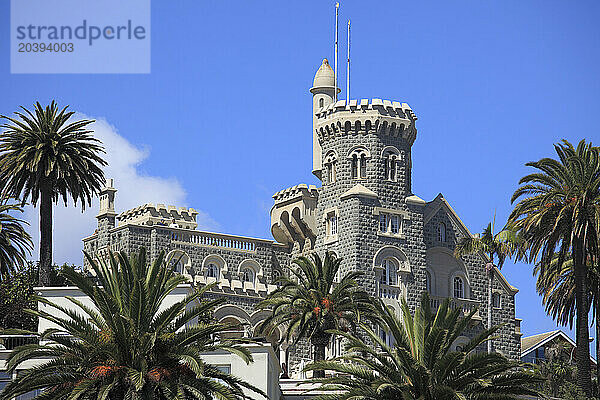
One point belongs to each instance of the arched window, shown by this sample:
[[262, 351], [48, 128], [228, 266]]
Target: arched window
[[441, 232], [212, 271], [388, 273], [247, 275], [363, 166], [390, 156], [428, 282], [235, 329], [321, 102], [358, 158], [331, 165], [459, 288], [179, 261]]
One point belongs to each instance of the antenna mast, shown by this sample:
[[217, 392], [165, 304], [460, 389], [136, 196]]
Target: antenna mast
[[348, 71], [335, 72]]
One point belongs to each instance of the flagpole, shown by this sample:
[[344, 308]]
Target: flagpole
[[348, 71], [335, 72]]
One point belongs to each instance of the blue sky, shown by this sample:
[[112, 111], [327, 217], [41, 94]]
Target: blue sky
[[224, 117]]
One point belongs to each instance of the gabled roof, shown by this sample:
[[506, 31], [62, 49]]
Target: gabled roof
[[434, 206], [530, 343]]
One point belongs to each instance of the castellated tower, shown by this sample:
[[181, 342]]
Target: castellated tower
[[366, 212], [106, 215]]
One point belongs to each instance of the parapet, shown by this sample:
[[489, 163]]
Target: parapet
[[149, 214], [366, 116], [294, 192]]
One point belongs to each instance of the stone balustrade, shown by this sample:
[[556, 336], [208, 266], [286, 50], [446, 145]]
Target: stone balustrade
[[210, 239], [466, 305]]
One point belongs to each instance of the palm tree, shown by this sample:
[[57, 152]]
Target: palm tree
[[558, 214], [15, 242], [494, 245], [421, 362], [129, 345], [311, 303], [556, 284], [44, 156]]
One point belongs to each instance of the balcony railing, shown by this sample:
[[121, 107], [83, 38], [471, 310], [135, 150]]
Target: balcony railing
[[389, 292], [10, 342], [466, 305], [214, 240]]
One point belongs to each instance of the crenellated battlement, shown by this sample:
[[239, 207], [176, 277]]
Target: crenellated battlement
[[366, 116], [149, 214], [292, 193]]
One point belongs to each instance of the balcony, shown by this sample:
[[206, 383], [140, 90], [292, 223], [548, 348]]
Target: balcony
[[465, 305], [389, 292], [10, 342]]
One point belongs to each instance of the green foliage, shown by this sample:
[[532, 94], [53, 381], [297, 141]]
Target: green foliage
[[43, 148], [421, 363], [16, 295], [310, 303], [128, 345], [501, 245], [557, 217], [15, 242]]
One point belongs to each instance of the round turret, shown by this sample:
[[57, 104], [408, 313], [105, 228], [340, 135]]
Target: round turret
[[325, 77]]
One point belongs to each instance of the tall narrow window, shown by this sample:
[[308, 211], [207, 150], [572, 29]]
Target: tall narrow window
[[333, 224], [441, 232], [354, 166], [459, 288], [329, 173], [321, 102], [496, 300], [393, 169], [428, 282], [386, 168], [394, 224], [248, 275], [363, 166], [389, 272], [212, 271], [383, 221]]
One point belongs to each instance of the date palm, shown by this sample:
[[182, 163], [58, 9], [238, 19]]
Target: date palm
[[558, 214], [310, 303], [495, 246], [15, 242], [44, 156], [421, 363], [129, 344]]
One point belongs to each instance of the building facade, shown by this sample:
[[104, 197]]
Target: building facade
[[364, 211]]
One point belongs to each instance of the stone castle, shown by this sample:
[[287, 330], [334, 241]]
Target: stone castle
[[365, 212]]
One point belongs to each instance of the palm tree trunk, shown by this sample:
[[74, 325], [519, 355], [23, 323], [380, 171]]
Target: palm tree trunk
[[319, 343], [45, 235], [584, 378], [597, 309]]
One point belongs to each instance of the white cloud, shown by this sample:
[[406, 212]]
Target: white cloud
[[134, 189]]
